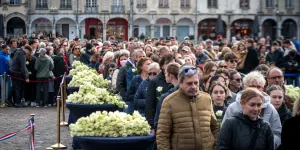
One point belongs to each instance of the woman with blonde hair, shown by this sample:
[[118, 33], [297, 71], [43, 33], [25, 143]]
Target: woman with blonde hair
[[291, 129], [247, 130], [224, 51]]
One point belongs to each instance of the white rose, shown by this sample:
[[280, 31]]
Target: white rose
[[159, 89], [27, 62], [133, 70], [219, 113]]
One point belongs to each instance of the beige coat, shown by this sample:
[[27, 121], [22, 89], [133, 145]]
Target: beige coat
[[187, 124]]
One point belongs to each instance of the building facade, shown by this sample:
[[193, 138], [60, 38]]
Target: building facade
[[154, 18]]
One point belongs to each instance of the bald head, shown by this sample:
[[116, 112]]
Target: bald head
[[275, 76]]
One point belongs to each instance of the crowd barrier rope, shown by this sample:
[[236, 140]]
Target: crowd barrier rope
[[29, 127]]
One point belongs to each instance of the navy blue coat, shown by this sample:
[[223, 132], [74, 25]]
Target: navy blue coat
[[133, 86], [163, 97], [140, 96]]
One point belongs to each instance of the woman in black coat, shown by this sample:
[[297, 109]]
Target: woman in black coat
[[247, 130], [277, 95], [291, 130]]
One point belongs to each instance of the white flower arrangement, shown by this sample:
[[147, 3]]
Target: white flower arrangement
[[27, 62], [133, 70]]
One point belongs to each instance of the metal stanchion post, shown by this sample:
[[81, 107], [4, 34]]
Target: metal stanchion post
[[63, 102], [58, 145], [32, 129], [2, 105]]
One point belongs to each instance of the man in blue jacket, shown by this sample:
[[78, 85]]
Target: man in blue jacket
[[4, 59], [4, 67]]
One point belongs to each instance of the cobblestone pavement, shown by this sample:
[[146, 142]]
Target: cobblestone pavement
[[15, 119]]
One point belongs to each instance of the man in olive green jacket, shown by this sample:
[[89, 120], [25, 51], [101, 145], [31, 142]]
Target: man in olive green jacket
[[187, 120]]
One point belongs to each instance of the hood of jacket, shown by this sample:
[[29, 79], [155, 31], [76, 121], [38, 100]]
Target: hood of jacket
[[267, 99], [3, 54], [247, 120], [43, 59], [161, 75]]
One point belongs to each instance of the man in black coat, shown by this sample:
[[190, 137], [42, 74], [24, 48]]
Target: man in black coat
[[121, 79], [156, 87], [17, 69], [252, 60]]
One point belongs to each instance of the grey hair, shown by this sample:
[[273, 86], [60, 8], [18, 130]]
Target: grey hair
[[254, 76], [42, 45], [191, 72], [154, 65], [124, 52], [139, 51]]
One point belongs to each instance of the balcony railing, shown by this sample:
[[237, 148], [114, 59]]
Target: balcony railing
[[65, 7], [141, 6], [119, 9], [41, 7], [91, 9]]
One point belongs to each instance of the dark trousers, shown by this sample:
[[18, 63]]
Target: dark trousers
[[42, 88], [18, 89]]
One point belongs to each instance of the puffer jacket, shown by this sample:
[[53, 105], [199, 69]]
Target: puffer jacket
[[269, 115], [187, 123], [238, 132]]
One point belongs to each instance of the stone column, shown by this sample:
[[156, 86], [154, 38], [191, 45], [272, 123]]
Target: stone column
[[174, 28], [77, 30], [196, 33], [29, 30], [228, 31], [278, 30], [53, 29], [5, 31], [130, 31], [104, 32], [152, 30]]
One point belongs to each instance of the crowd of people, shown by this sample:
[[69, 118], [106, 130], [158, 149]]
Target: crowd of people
[[214, 94]]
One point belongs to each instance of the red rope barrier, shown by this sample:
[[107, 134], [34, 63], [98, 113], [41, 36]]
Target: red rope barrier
[[36, 81]]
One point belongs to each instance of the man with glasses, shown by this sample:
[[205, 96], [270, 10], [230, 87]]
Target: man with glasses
[[181, 112], [256, 80], [275, 76], [235, 81]]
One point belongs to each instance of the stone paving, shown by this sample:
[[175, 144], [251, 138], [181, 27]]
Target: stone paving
[[15, 119]]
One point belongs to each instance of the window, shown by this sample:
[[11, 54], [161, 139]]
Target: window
[[185, 3], [65, 4], [117, 3], [269, 3], [141, 3], [164, 3], [91, 3], [41, 4], [14, 2], [212, 3], [244, 4], [288, 3]]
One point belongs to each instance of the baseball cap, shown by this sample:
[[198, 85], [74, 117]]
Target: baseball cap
[[186, 48]]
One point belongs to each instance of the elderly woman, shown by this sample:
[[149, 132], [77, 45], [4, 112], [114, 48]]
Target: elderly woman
[[277, 95], [256, 80], [140, 94], [247, 130], [290, 130]]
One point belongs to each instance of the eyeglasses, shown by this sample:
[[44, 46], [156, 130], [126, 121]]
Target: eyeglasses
[[234, 61], [152, 73], [65, 45], [76, 48], [238, 79], [112, 70], [276, 77], [222, 66], [188, 69]]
